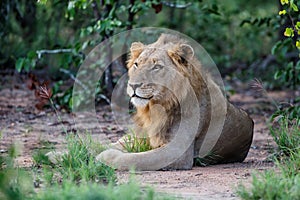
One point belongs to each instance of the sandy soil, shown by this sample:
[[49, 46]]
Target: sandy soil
[[29, 129]]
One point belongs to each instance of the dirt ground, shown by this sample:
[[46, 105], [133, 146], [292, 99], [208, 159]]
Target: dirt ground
[[29, 129]]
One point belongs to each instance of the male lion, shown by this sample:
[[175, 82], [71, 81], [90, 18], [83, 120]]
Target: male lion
[[183, 112]]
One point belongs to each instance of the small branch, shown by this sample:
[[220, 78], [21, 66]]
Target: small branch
[[130, 15], [293, 23], [96, 11], [271, 58], [258, 86], [82, 85], [46, 51], [74, 78], [175, 5], [102, 96]]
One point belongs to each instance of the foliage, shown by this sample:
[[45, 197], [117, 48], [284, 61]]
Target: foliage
[[106, 19], [207, 160], [65, 31], [282, 183], [130, 191], [86, 23], [134, 143], [226, 30], [287, 50], [275, 185], [79, 163], [290, 111], [16, 183], [39, 156], [287, 136]]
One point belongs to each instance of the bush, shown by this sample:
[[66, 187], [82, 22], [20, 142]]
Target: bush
[[282, 183], [17, 184], [133, 143], [273, 184], [78, 164], [130, 191], [287, 136]]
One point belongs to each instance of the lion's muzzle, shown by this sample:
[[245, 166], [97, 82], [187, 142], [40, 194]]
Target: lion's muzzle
[[140, 94]]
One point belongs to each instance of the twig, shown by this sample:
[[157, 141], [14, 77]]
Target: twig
[[258, 86], [74, 78], [130, 15], [102, 96], [96, 11], [175, 5], [82, 85], [46, 93], [46, 51]]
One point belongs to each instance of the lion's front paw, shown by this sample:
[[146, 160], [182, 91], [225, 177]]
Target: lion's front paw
[[109, 157], [55, 156]]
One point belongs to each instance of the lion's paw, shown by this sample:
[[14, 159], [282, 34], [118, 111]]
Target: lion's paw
[[55, 156], [109, 157]]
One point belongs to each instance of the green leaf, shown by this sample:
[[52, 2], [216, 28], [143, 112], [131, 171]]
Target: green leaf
[[282, 12], [298, 44], [20, 64], [70, 102], [276, 47], [42, 1], [278, 74], [294, 7], [31, 54], [213, 11], [27, 64], [284, 2], [297, 26], [289, 32]]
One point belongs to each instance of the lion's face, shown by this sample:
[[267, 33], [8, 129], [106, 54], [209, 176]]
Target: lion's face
[[159, 73], [150, 77]]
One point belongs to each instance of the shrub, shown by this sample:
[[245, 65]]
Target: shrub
[[134, 144], [287, 136], [79, 163], [282, 183], [130, 191], [275, 185]]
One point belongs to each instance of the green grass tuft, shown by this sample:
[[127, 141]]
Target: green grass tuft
[[77, 165], [287, 136], [210, 159], [135, 144], [17, 184], [130, 191], [283, 183]]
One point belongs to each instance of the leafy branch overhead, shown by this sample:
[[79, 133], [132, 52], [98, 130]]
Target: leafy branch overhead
[[294, 30], [55, 36], [289, 45], [105, 18]]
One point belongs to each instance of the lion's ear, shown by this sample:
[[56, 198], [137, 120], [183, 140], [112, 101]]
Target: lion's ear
[[187, 51], [135, 50], [181, 53]]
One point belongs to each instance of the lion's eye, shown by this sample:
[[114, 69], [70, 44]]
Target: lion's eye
[[135, 65], [157, 67]]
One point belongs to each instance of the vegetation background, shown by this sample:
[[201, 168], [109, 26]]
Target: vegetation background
[[47, 40], [54, 36]]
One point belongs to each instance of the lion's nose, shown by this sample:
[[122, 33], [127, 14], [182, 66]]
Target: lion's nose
[[134, 86]]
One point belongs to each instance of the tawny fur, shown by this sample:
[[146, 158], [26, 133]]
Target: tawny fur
[[160, 115]]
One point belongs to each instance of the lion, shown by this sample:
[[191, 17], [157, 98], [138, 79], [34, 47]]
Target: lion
[[183, 112]]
